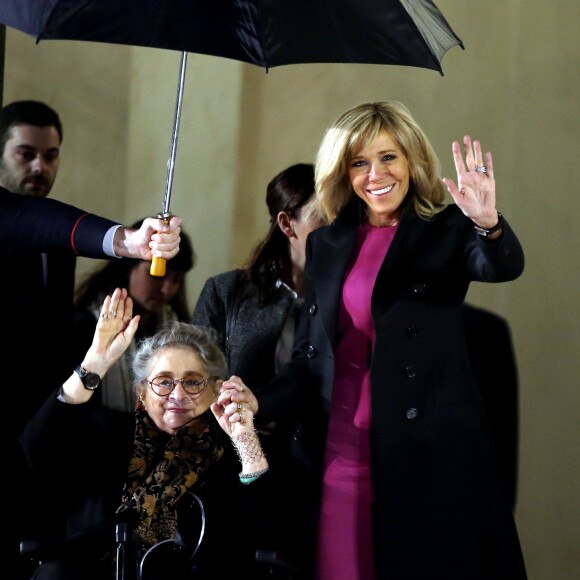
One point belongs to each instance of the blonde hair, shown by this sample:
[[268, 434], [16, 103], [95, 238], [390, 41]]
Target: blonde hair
[[355, 129]]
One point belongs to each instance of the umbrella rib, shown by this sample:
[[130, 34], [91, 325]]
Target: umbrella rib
[[433, 27]]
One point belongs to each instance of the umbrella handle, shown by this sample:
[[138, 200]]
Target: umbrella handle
[[158, 265]]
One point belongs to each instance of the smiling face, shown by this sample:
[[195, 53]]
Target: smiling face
[[30, 160], [379, 175], [178, 408]]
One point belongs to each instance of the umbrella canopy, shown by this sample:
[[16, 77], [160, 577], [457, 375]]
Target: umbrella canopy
[[260, 32], [265, 33]]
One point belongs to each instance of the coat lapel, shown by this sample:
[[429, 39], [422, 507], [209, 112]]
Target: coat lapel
[[333, 252], [386, 285]]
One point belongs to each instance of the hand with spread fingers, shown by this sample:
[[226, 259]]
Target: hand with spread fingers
[[115, 329], [113, 335], [474, 192]]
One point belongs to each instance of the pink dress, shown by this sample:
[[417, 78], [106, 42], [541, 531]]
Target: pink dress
[[345, 548]]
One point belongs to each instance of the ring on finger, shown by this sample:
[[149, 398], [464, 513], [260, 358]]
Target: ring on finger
[[104, 316], [481, 169], [239, 408], [112, 313]]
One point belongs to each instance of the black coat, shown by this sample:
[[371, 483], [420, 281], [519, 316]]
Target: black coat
[[248, 332], [41, 224], [40, 316], [38, 320], [493, 362], [441, 511]]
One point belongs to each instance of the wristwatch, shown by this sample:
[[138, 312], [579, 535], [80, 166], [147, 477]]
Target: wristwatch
[[90, 380]]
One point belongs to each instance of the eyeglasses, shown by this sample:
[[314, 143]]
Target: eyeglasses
[[192, 385]]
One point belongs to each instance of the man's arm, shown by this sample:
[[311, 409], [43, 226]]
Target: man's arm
[[45, 224]]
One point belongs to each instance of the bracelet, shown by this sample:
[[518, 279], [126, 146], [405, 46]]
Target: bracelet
[[255, 475], [488, 232], [248, 448]]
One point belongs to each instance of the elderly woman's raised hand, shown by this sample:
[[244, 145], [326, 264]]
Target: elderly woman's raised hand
[[474, 192], [115, 330]]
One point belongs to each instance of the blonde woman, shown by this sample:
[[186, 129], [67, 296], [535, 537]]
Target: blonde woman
[[393, 425]]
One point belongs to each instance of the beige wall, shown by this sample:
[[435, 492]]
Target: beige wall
[[516, 87]]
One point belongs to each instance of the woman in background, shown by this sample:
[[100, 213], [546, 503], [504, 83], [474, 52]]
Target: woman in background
[[252, 308]]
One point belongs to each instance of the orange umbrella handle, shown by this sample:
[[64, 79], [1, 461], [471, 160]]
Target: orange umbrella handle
[[158, 265]]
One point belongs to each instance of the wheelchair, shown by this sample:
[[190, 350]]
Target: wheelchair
[[168, 559]]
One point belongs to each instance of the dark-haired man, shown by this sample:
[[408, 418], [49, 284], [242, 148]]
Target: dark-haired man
[[30, 139]]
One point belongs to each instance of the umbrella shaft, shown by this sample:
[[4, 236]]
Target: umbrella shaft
[[173, 147]]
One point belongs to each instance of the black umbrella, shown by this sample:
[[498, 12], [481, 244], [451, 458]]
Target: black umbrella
[[266, 33]]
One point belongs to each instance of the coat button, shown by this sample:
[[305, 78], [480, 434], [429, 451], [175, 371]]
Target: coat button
[[297, 435], [311, 352], [412, 331], [412, 414], [312, 310], [409, 371]]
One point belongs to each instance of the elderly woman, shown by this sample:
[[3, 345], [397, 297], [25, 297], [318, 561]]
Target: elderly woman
[[110, 467]]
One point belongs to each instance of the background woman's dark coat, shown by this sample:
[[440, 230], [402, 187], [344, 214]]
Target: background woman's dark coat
[[248, 332], [441, 512]]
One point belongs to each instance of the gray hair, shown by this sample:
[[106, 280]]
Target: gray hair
[[202, 341]]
